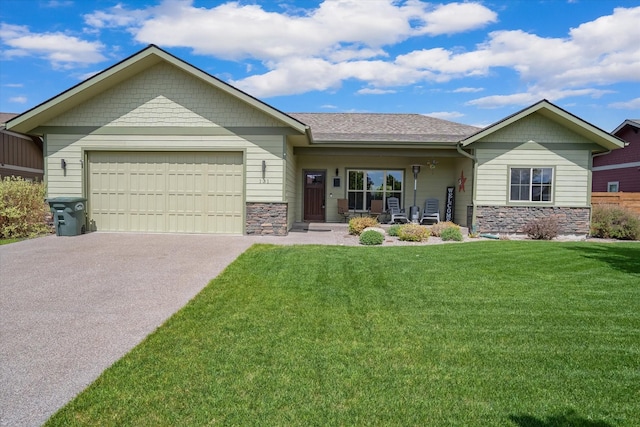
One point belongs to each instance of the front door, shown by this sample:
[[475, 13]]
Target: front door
[[314, 195]]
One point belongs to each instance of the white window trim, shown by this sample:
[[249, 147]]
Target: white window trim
[[613, 183], [531, 168]]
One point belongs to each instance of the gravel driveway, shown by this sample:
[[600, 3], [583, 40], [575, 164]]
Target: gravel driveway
[[71, 306]]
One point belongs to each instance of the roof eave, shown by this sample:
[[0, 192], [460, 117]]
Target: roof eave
[[627, 122]]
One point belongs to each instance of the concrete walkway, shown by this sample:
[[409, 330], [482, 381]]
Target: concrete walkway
[[71, 306]]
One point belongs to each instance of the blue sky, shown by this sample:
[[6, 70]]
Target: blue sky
[[472, 62]]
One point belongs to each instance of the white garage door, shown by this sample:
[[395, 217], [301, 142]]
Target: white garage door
[[179, 192]]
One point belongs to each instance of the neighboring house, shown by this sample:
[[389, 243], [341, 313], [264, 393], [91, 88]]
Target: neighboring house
[[620, 169], [158, 145], [20, 155]]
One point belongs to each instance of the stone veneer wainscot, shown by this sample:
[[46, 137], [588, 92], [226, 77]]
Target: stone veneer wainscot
[[267, 219], [511, 219]]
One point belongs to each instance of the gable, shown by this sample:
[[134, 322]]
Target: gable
[[535, 128], [34, 120], [164, 95], [602, 141]]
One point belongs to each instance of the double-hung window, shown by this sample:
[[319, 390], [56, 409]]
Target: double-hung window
[[366, 185], [531, 185]]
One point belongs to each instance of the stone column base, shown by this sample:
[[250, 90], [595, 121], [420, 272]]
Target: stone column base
[[266, 219]]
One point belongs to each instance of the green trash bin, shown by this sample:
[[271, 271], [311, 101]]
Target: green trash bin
[[69, 215]]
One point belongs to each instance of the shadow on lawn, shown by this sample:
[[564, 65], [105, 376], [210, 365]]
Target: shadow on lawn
[[621, 257], [567, 419]]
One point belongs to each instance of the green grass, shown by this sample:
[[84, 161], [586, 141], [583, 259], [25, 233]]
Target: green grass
[[7, 241], [478, 334]]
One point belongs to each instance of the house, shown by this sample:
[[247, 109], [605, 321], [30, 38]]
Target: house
[[619, 170], [20, 155], [157, 145]]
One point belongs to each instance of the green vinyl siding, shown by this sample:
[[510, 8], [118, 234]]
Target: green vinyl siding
[[571, 174], [257, 148], [164, 95]]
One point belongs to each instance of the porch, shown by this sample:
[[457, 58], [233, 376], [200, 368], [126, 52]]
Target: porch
[[362, 179]]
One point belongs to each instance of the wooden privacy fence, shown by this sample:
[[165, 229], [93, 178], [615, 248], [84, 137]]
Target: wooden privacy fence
[[629, 201]]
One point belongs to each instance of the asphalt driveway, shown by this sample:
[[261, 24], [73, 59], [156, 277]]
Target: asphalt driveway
[[71, 306]]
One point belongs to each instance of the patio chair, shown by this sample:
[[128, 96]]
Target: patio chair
[[343, 209], [431, 211], [376, 209], [393, 208]]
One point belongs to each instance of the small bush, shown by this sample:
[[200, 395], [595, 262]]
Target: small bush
[[394, 230], [436, 229], [371, 237], [356, 225], [413, 233], [614, 222], [451, 233], [542, 229], [22, 208]]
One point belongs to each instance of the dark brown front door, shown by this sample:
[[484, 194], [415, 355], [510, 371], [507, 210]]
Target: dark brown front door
[[314, 195]]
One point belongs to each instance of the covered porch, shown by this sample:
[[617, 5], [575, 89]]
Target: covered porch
[[363, 176]]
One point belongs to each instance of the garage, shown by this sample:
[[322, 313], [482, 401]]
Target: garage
[[175, 192]]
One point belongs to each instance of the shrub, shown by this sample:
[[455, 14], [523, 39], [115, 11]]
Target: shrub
[[614, 222], [413, 232], [542, 229], [436, 229], [451, 233], [22, 208], [371, 237], [394, 230], [356, 225]]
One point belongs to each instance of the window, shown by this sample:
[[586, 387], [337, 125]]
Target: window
[[613, 187], [367, 185], [531, 184]]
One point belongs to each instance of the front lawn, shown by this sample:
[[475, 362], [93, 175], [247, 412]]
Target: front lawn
[[502, 333]]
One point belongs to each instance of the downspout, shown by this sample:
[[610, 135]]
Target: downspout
[[593, 156], [474, 159]]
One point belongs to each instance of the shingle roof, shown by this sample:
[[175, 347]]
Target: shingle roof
[[5, 117], [334, 127]]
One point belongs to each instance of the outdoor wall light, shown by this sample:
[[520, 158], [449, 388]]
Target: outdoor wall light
[[63, 164], [264, 168], [337, 171]]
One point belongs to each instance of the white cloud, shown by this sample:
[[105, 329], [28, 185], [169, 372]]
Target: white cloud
[[340, 30], [318, 48], [61, 50], [468, 90], [371, 91], [85, 76], [14, 85], [445, 115], [632, 104], [294, 76], [455, 17], [58, 3], [532, 96], [19, 99], [117, 16]]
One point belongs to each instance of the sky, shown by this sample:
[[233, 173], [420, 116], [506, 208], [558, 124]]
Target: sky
[[472, 62]]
